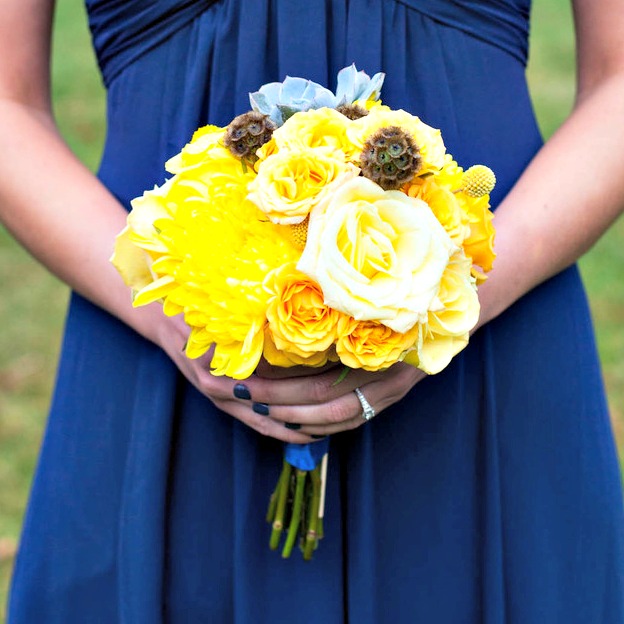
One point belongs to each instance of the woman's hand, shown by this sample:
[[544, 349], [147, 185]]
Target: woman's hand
[[323, 404], [310, 402]]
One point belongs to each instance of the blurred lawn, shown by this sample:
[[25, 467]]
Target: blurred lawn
[[32, 309]]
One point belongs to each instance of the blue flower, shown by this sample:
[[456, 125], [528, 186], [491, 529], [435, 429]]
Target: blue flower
[[281, 100], [356, 85]]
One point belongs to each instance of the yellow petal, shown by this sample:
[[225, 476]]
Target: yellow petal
[[132, 262], [154, 291], [437, 351]]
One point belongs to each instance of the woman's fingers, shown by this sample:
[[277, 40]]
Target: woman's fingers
[[309, 390], [264, 425], [295, 408], [345, 411]]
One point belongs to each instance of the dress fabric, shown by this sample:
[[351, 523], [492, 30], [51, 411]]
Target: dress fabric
[[490, 494]]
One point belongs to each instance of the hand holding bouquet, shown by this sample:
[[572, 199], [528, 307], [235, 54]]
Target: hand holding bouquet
[[316, 228]]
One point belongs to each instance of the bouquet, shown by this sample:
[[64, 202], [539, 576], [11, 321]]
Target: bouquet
[[317, 227]]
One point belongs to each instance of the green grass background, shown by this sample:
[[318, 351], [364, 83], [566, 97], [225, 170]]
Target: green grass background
[[33, 302]]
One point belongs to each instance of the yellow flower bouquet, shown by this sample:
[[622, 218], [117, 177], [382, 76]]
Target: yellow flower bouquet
[[318, 227]]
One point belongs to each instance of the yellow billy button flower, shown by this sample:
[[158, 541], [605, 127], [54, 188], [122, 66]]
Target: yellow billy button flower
[[301, 328], [478, 181], [299, 233]]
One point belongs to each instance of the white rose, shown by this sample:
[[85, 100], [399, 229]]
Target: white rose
[[377, 255]]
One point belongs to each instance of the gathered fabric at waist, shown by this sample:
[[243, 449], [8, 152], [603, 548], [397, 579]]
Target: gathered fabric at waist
[[503, 23], [123, 30]]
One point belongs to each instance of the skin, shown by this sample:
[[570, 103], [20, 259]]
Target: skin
[[44, 190]]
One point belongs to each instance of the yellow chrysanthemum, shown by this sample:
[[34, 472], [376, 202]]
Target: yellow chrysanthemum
[[211, 253]]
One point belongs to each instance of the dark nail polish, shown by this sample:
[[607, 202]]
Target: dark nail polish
[[261, 408], [241, 391], [317, 437], [293, 426]]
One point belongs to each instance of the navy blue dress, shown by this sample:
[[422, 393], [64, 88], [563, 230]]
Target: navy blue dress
[[490, 494]]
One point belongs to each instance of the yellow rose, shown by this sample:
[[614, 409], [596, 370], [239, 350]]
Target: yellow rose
[[197, 150], [371, 345], [451, 175], [291, 182], [444, 206], [323, 127], [450, 320], [377, 255], [479, 244], [268, 149], [428, 139], [299, 322], [285, 359]]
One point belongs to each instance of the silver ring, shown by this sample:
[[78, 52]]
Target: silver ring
[[367, 409]]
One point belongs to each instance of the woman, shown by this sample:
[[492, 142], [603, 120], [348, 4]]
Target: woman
[[488, 493]]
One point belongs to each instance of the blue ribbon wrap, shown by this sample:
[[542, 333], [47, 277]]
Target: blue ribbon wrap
[[306, 456]]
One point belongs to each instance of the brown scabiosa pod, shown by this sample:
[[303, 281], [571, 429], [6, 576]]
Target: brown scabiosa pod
[[390, 158], [247, 133]]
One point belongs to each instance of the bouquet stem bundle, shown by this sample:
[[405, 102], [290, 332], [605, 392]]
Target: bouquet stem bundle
[[298, 504]]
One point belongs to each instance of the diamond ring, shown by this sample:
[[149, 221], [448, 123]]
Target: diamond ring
[[367, 409]]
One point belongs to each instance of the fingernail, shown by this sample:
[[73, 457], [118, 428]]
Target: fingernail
[[260, 408], [317, 437], [241, 391], [293, 426]]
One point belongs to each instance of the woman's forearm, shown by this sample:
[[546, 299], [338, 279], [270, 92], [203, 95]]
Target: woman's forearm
[[61, 213]]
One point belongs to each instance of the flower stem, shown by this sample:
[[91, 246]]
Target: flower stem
[[283, 486], [311, 535], [274, 497], [296, 513]]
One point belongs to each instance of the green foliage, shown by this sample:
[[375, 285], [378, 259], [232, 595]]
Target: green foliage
[[32, 311]]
